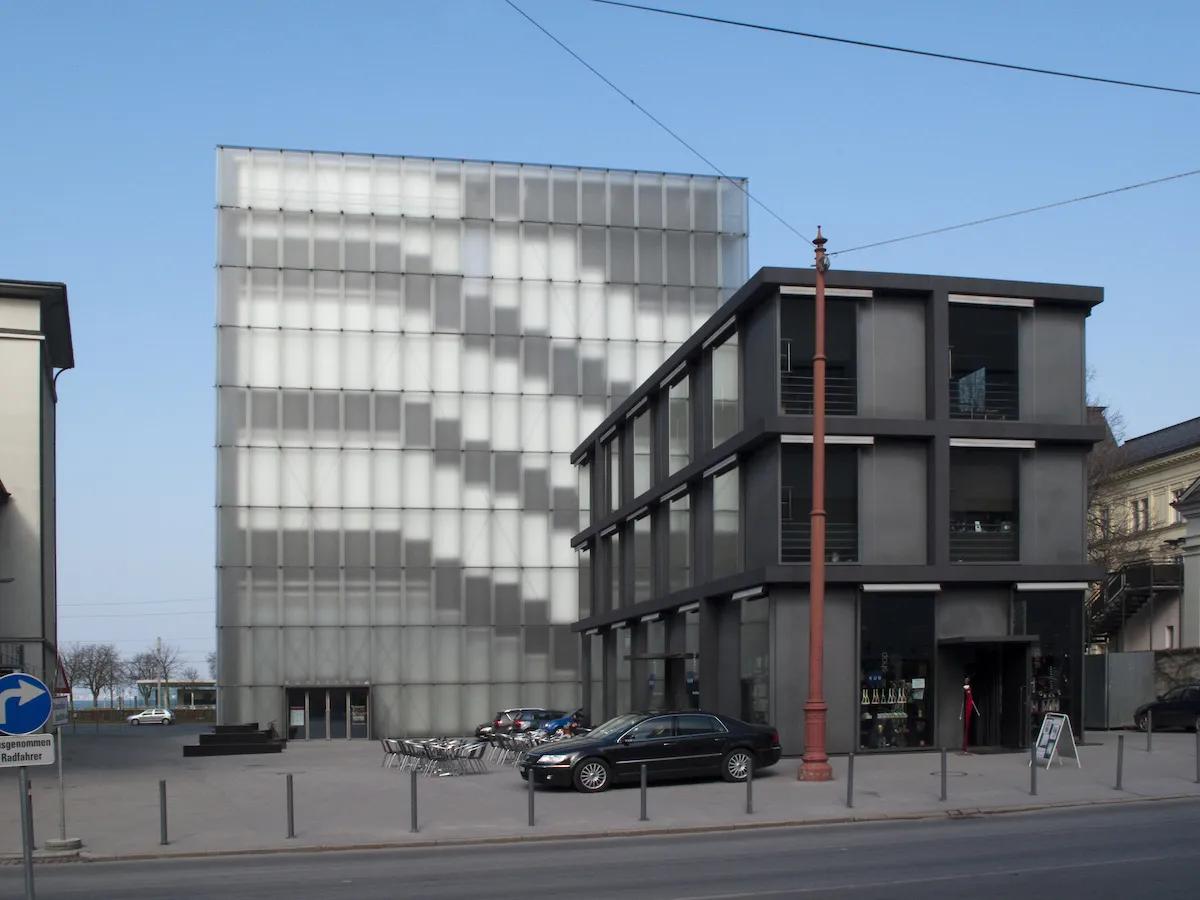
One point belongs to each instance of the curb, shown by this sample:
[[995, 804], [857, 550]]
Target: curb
[[957, 813]]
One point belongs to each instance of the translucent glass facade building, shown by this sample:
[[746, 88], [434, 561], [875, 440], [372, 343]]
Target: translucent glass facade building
[[408, 352]]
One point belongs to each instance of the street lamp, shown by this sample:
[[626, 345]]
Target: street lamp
[[815, 765]]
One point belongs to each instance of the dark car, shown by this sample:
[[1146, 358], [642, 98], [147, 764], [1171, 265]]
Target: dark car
[[1177, 708], [670, 745]]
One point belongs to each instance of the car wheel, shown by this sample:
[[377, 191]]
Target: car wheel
[[592, 776], [1140, 722], [737, 765], [1196, 725], [166, 721], [134, 722]]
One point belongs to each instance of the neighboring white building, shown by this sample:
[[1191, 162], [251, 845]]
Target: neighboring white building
[[408, 352], [35, 340]]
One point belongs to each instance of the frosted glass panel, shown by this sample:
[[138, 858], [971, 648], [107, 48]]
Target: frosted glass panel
[[409, 350]]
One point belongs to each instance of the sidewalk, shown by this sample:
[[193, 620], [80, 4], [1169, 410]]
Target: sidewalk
[[344, 799]]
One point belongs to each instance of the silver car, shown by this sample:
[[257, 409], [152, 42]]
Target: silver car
[[152, 717]]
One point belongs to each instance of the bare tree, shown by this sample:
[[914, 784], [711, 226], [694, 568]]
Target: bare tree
[[211, 659], [92, 666], [1114, 540], [73, 662], [142, 667], [191, 673], [167, 660]]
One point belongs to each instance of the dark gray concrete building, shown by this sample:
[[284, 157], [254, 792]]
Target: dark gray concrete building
[[957, 439]]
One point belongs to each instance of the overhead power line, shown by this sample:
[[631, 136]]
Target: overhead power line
[[1019, 212], [950, 57], [657, 121], [136, 602]]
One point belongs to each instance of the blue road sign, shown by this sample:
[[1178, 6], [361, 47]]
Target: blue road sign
[[25, 704]]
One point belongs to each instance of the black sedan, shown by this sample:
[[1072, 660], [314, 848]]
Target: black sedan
[[670, 745], [1177, 708]]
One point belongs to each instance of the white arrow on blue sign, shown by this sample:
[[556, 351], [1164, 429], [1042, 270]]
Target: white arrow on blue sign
[[25, 704]]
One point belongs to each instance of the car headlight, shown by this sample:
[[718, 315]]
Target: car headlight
[[555, 759]]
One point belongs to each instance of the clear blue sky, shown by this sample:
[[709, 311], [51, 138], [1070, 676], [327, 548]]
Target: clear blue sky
[[111, 113]]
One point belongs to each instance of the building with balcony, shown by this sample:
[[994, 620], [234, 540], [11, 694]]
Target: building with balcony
[[956, 454], [408, 352], [35, 347], [1139, 535]]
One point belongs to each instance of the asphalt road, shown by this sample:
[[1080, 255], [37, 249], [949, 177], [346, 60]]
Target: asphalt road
[[1098, 853]]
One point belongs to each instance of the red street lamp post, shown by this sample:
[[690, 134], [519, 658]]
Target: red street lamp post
[[815, 765]]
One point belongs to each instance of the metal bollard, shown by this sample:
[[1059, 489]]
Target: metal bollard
[[1120, 759], [1149, 732], [530, 780], [412, 791], [291, 809], [1033, 764], [162, 812], [850, 782], [750, 788], [644, 818], [943, 774]]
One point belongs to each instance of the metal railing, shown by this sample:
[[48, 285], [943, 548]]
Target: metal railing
[[972, 397], [841, 542], [970, 542], [796, 394]]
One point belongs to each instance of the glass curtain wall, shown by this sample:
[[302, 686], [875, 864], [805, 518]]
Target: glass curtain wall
[[726, 390], [727, 524], [408, 352]]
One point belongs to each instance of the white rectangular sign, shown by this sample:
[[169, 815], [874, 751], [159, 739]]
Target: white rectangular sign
[[26, 750], [61, 712], [1056, 739]]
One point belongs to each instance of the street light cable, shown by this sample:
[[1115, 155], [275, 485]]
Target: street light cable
[[1020, 212], [782, 221], [950, 57]]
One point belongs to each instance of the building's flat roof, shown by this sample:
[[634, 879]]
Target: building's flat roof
[[487, 162], [766, 281], [56, 318]]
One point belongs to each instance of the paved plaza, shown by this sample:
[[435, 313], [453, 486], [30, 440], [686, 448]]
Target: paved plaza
[[343, 798]]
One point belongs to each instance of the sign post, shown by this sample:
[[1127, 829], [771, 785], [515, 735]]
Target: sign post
[[1055, 739], [25, 707]]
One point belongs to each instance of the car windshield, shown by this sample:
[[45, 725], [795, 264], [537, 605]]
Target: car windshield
[[615, 726]]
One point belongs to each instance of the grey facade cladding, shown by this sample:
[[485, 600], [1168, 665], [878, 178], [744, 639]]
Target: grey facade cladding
[[912, 414]]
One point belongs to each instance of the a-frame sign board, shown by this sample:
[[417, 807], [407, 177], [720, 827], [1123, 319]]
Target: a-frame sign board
[[1055, 739]]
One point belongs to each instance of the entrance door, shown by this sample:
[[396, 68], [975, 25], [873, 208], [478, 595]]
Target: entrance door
[[998, 673], [339, 714]]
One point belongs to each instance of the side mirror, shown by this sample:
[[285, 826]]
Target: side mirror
[[625, 739]]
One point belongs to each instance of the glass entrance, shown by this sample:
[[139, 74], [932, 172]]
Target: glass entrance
[[316, 714]]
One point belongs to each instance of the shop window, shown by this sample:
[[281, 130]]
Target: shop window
[[726, 390], [624, 672], [797, 324], [1057, 621], [595, 711], [679, 553], [896, 688], [756, 661], [983, 362], [641, 453], [727, 538], [984, 487], [679, 406], [841, 504]]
